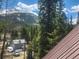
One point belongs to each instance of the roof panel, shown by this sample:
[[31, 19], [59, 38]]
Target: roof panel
[[67, 48]]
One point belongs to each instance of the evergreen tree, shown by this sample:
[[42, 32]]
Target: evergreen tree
[[1, 3], [47, 15], [78, 18], [14, 34], [54, 24], [35, 43], [25, 34], [71, 20]]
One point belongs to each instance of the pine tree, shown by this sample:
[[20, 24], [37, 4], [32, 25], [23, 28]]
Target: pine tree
[[71, 20], [25, 34], [35, 43], [78, 18], [14, 34], [1, 3], [47, 16], [4, 40], [54, 24]]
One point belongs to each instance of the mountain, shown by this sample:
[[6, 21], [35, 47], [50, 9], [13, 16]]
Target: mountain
[[23, 18], [18, 20]]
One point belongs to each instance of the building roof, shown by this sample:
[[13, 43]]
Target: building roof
[[67, 48], [17, 41]]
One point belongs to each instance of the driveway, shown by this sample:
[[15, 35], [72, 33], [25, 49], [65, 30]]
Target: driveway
[[21, 56]]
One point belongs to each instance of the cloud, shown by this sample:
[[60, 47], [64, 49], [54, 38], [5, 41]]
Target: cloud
[[21, 7], [74, 20], [8, 11], [72, 10], [75, 8], [66, 10]]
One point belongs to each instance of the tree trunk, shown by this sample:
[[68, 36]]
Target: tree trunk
[[3, 46]]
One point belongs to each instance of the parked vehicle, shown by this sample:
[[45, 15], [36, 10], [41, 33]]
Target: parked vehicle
[[10, 49], [17, 45], [16, 53]]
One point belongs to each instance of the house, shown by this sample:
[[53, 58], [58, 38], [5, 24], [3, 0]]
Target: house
[[17, 44], [67, 48], [19, 41]]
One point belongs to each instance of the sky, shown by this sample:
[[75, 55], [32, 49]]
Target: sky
[[26, 6], [71, 7]]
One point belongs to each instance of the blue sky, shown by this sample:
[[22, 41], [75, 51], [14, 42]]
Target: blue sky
[[70, 3], [29, 6], [71, 7], [12, 3]]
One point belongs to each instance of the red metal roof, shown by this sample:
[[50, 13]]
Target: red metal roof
[[67, 48]]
